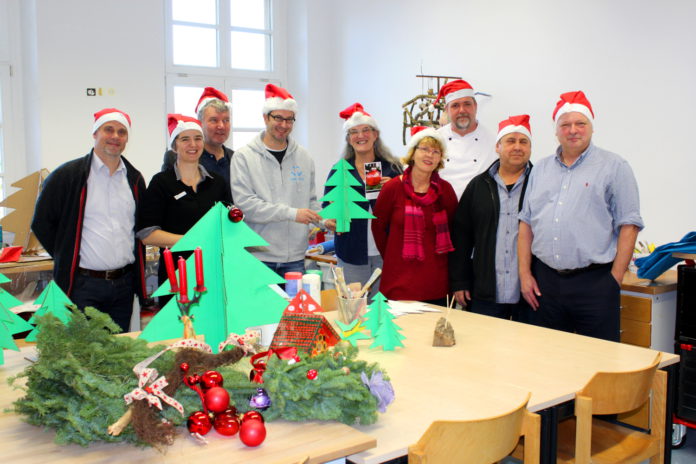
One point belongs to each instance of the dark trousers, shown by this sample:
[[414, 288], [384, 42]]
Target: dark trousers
[[519, 311], [113, 297], [586, 303]]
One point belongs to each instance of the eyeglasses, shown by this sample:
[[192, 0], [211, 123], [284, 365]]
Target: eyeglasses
[[363, 131], [430, 151], [276, 118]]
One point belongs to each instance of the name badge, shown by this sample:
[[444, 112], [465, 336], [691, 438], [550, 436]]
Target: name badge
[[180, 195]]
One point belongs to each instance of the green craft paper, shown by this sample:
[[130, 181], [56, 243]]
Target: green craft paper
[[343, 198], [51, 300], [387, 335], [237, 292], [371, 317], [10, 323], [353, 338]]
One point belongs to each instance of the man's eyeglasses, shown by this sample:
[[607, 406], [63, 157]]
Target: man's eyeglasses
[[276, 118]]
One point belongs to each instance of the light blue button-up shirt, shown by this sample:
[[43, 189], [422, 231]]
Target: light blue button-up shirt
[[507, 281], [576, 212]]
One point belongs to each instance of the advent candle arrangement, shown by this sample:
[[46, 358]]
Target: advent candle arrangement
[[181, 287]]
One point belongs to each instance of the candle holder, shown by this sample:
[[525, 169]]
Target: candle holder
[[185, 310]]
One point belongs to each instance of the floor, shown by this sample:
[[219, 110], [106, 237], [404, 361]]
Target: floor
[[686, 454]]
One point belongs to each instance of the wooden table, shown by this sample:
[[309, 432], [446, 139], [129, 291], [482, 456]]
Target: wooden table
[[493, 363], [286, 442]]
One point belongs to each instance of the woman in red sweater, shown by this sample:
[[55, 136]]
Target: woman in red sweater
[[414, 212]]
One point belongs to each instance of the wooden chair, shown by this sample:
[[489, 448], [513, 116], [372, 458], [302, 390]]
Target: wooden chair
[[585, 439], [483, 441]]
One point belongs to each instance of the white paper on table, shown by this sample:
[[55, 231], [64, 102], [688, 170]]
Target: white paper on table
[[400, 308]]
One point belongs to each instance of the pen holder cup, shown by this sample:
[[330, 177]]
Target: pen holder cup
[[350, 309]]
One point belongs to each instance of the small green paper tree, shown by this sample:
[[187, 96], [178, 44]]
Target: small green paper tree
[[343, 198], [238, 293], [51, 300], [372, 317], [387, 335], [352, 332], [10, 323]]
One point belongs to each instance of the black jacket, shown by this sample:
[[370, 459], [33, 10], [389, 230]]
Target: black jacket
[[58, 217], [474, 232]]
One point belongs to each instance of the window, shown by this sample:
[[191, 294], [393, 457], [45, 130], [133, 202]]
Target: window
[[231, 45]]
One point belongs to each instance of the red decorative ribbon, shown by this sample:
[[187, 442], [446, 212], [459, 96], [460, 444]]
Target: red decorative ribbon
[[259, 360], [153, 392]]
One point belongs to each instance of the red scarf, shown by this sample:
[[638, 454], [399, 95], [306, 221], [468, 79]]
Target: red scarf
[[414, 219]]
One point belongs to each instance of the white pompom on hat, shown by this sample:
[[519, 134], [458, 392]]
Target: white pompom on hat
[[277, 98], [110, 114], [519, 123], [177, 123], [355, 115]]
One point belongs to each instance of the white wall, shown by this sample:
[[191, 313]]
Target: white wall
[[633, 59]]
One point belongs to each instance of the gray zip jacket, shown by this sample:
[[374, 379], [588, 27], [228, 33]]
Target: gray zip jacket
[[270, 194]]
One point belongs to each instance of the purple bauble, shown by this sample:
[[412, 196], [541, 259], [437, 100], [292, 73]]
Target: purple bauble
[[260, 400]]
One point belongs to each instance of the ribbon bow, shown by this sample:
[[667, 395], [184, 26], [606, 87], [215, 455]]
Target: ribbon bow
[[153, 392], [259, 360], [245, 342]]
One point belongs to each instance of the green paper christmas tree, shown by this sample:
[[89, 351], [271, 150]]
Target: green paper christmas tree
[[51, 300], [387, 335], [372, 319], [10, 323], [353, 332], [343, 198], [238, 294]]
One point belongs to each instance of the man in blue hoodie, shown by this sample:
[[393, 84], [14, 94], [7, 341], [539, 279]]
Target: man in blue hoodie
[[272, 180]]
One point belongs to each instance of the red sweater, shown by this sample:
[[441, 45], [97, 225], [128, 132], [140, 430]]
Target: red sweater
[[410, 279]]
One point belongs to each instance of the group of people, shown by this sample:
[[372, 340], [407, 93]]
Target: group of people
[[462, 213]]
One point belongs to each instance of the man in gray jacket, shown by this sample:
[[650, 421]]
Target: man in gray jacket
[[272, 181]]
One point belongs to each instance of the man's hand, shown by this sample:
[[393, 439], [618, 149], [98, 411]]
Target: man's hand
[[462, 296], [330, 224], [530, 290], [306, 216], [618, 275]]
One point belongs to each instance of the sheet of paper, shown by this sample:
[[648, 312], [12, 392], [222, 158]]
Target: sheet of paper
[[399, 308]]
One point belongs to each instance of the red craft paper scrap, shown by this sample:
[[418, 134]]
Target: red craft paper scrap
[[11, 254]]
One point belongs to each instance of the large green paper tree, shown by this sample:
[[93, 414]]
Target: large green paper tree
[[10, 323], [51, 300], [343, 198], [238, 291]]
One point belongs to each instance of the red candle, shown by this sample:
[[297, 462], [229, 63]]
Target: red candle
[[183, 285], [169, 266], [198, 255]]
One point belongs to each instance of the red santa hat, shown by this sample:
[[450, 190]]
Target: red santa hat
[[573, 101], [418, 133], [455, 89], [512, 124], [211, 93], [277, 98], [110, 114], [178, 123], [355, 115]]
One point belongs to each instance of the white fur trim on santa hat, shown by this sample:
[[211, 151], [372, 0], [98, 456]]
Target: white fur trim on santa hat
[[113, 116], [182, 126], [429, 132], [277, 103], [512, 128], [358, 119], [574, 107], [461, 93]]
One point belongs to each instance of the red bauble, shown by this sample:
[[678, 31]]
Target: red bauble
[[217, 399], [252, 415], [226, 422], [199, 423], [235, 214], [211, 379], [184, 367], [252, 432], [312, 374]]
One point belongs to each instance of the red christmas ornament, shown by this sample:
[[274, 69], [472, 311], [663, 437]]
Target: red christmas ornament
[[235, 214], [191, 380], [226, 422], [312, 374], [211, 379], [217, 399], [252, 415], [252, 432], [199, 423], [184, 367]]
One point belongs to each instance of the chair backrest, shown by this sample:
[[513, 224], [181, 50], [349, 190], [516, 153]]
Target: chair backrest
[[617, 392], [482, 441]]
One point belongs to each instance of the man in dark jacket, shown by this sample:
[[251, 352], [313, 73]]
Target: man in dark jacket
[[483, 267], [85, 219]]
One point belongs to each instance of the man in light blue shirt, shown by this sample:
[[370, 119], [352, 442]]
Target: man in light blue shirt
[[578, 227]]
